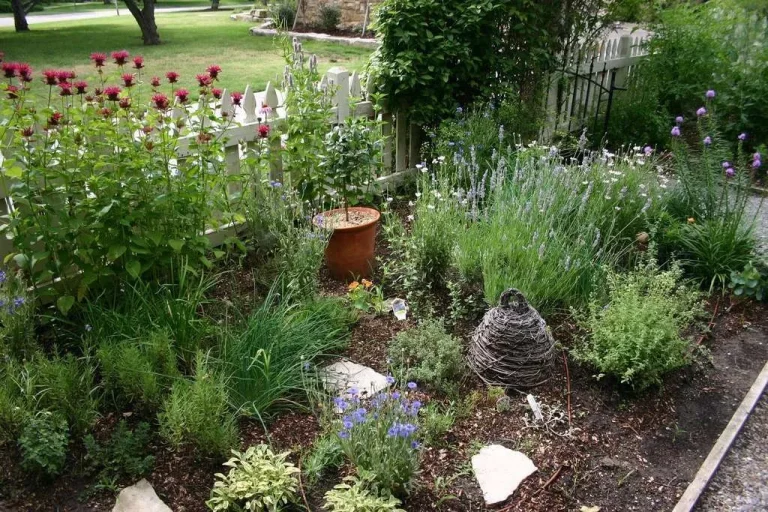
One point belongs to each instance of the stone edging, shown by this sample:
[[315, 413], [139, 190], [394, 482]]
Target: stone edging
[[717, 454], [312, 36]]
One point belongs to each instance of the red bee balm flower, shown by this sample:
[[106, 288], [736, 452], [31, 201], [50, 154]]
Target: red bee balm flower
[[182, 95], [125, 103], [99, 59], [65, 89], [27, 132], [55, 118], [204, 80], [25, 71], [106, 112], [128, 79], [138, 62], [120, 57], [63, 76], [160, 101], [10, 69], [50, 77], [155, 82], [263, 131], [13, 92], [112, 92], [81, 86], [237, 98], [214, 71], [172, 77], [217, 93]]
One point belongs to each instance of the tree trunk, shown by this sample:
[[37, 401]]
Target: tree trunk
[[19, 16], [214, 5], [146, 19]]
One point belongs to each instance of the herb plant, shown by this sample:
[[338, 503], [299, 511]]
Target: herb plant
[[43, 444]]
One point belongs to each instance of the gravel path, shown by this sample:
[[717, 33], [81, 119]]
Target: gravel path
[[761, 222], [741, 481]]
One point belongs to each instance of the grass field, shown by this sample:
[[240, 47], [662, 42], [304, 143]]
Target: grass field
[[72, 7], [191, 42]]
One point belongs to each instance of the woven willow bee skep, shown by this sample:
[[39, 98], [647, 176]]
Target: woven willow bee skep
[[512, 346]]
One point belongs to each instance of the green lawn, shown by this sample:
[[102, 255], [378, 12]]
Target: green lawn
[[191, 41], [62, 8]]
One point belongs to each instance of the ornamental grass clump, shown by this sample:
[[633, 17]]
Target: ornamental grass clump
[[379, 437], [636, 333]]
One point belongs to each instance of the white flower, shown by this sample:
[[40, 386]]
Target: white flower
[[418, 195], [410, 218], [419, 166], [410, 203], [389, 199], [617, 208]]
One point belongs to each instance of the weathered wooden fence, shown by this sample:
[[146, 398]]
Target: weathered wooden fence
[[584, 88]]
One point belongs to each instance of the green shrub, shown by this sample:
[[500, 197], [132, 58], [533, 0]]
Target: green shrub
[[696, 46], [197, 412], [258, 480], [357, 498], [264, 360], [329, 17], [636, 335], [325, 453], [18, 399], [124, 455], [381, 441], [429, 355], [138, 372], [285, 14], [43, 444]]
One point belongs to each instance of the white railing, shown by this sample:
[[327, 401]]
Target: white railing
[[583, 88]]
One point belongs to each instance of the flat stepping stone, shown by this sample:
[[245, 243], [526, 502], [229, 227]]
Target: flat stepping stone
[[345, 375], [140, 497], [500, 471]]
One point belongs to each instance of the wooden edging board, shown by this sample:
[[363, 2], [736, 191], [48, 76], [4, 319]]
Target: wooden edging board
[[717, 454]]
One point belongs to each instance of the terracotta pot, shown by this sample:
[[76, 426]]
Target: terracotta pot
[[350, 253]]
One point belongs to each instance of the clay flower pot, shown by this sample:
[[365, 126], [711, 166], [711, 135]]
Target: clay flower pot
[[350, 251]]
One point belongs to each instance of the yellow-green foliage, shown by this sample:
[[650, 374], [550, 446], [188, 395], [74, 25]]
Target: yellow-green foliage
[[356, 498], [637, 335], [259, 480]]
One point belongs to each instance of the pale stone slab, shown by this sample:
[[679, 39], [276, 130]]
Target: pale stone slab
[[500, 471], [345, 375], [140, 497]]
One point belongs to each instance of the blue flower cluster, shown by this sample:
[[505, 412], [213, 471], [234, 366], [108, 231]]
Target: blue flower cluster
[[12, 305], [386, 406]]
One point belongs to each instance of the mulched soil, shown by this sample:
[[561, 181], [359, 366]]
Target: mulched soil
[[621, 452]]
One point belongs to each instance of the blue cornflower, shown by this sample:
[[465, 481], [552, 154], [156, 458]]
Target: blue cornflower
[[359, 415], [343, 434], [395, 395], [340, 403], [306, 365], [459, 110], [415, 445], [393, 430], [411, 385], [415, 406], [390, 379], [2, 276], [407, 430], [348, 423], [353, 391], [18, 301]]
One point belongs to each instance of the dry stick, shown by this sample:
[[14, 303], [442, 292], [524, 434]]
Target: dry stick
[[568, 386], [551, 479]]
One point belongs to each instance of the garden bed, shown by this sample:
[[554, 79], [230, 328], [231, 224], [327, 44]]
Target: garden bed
[[622, 453]]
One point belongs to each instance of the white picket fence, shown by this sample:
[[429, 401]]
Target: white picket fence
[[579, 93]]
